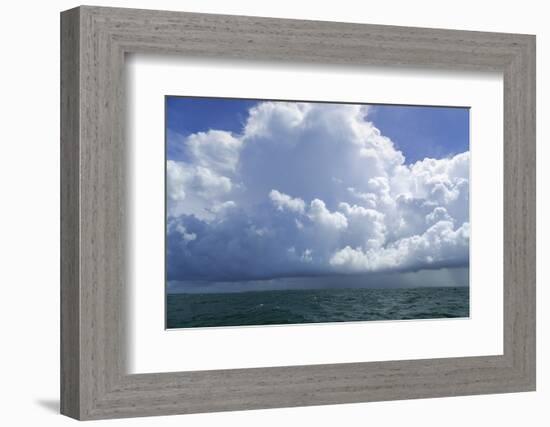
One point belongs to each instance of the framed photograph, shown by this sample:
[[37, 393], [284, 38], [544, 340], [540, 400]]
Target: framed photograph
[[263, 213], [307, 212]]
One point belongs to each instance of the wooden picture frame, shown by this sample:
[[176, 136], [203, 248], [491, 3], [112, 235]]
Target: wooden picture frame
[[94, 382]]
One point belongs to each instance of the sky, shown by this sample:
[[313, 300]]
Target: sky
[[278, 195]]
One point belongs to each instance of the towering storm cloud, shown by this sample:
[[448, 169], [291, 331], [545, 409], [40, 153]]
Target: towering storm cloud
[[309, 189]]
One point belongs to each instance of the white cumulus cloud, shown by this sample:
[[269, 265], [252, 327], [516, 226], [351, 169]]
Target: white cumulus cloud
[[319, 214], [284, 201], [308, 189]]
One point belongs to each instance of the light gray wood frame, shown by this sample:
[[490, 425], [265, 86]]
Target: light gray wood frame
[[94, 41]]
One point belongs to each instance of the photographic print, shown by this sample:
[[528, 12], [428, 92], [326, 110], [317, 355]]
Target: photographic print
[[292, 212]]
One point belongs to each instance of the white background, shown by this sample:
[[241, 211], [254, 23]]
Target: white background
[[152, 349], [29, 215]]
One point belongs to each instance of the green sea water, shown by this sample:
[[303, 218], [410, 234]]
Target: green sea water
[[314, 306]]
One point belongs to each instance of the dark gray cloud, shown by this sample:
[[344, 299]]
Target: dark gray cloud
[[454, 276]]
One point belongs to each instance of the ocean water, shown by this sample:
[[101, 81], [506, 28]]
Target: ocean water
[[314, 306]]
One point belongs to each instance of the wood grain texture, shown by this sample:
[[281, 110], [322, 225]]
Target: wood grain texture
[[70, 314], [94, 235]]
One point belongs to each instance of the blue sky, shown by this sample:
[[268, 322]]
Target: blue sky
[[417, 131], [270, 192], [421, 132]]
